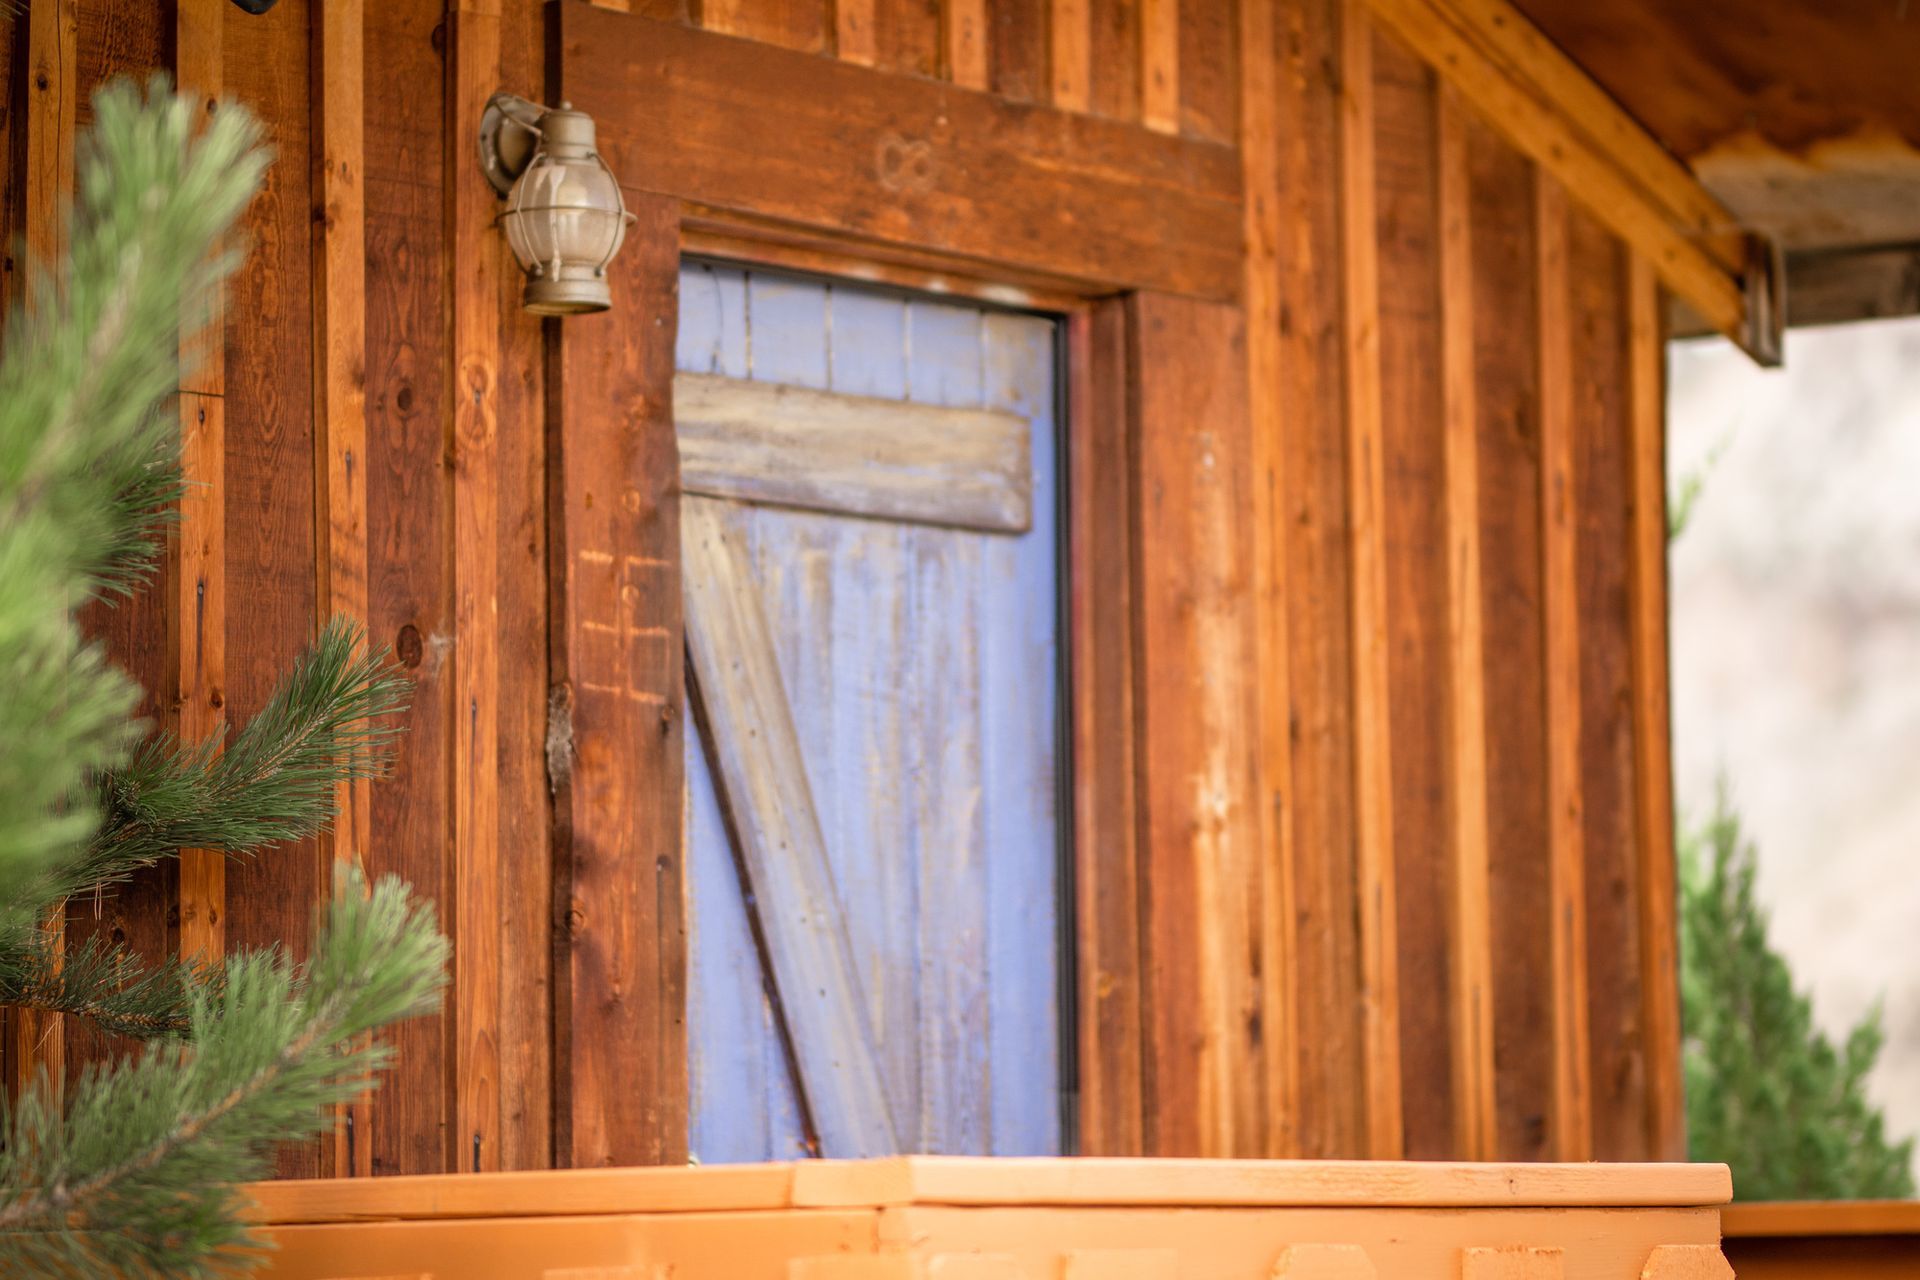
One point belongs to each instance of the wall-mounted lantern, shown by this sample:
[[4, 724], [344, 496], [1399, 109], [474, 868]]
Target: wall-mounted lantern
[[564, 216]]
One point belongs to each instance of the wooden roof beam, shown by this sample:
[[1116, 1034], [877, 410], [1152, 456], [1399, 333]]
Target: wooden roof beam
[[1559, 117]]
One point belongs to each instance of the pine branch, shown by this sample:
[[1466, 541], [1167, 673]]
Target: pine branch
[[138, 1179], [107, 985]]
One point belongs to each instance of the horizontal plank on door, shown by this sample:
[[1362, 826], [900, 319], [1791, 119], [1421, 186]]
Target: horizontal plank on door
[[853, 455], [770, 133], [761, 777]]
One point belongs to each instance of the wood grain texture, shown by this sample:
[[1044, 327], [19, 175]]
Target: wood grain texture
[[617, 669], [1512, 1262], [1019, 50], [748, 725], [473, 367], [1323, 1262], [1160, 65], [1070, 54], [1367, 618], [49, 89], [789, 24], [963, 42], [408, 535], [1198, 821], [340, 419], [1472, 928], [1315, 550], [1115, 48], [853, 36], [1413, 541], [1566, 783], [1656, 875], [1506, 380], [915, 162], [857, 455], [1212, 66], [1100, 624], [1686, 1262], [908, 37], [1265, 233]]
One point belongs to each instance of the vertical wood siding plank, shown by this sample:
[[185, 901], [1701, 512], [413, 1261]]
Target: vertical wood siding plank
[[1476, 1137], [1366, 515], [1160, 65], [853, 37], [1212, 66], [1506, 396], [409, 557], [1260, 152], [526, 886], [1196, 692], [1414, 544], [1099, 583], [340, 415], [51, 94], [1566, 915], [1018, 49], [1597, 280], [1315, 549], [791, 24], [1653, 765], [908, 37], [1115, 50], [474, 366], [963, 42], [1021, 729], [1070, 54], [620, 990]]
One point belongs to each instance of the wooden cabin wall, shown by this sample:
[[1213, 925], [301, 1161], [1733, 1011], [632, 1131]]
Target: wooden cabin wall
[[1436, 567]]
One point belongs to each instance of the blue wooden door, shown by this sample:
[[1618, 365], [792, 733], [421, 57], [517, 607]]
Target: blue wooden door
[[913, 639]]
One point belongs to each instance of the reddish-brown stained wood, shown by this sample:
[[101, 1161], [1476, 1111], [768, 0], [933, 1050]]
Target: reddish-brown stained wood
[[526, 870], [1070, 54], [408, 522], [474, 366], [1312, 409], [790, 24], [1114, 47], [1099, 584], [1211, 68], [1471, 928], [1195, 700], [913, 161], [1566, 785], [907, 37], [618, 747], [340, 414], [1160, 64], [853, 37], [1367, 617], [1018, 49], [1506, 378], [1260, 153], [1653, 766], [1414, 537], [270, 492], [963, 42], [1596, 269]]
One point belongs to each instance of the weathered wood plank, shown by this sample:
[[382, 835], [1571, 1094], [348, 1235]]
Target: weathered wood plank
[[789, 24], [473, 367], [908, 37], [617, 673], [1070, 54], [1367, 618], [408, 525], [1212, 67], [915, 161], [1516, 1262], [857, 455], [1506, 393], [763, 788], [1160, 64], [1195, 701], [1566, 803], [1414, 543], [853, 38], [1471, 957], [1018, 49], [340, 414], [1315, 554], [1100, 610], [1653, 765], [963, 42], [1114, 47]]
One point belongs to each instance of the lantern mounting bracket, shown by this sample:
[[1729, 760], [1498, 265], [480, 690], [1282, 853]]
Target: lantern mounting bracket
[[509, 132]]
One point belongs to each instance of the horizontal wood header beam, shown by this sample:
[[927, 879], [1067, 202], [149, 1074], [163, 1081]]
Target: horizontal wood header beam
[[1554, 113], [753, 130]]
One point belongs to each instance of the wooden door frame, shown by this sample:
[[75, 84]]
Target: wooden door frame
[[616, 743]]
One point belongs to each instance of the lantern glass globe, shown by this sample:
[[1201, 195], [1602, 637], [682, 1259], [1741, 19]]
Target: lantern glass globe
[[565, 219]]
